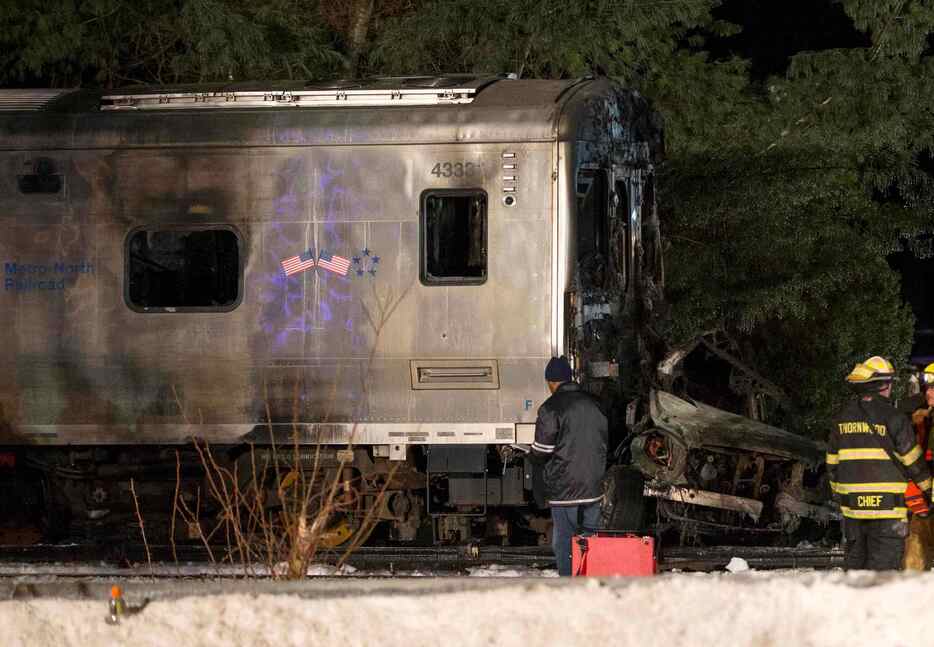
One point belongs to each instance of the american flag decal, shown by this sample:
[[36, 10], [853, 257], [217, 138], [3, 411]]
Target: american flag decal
[[295, 264], [336, 264]]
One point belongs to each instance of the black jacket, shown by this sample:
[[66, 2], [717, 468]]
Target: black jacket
[[871, 453], [570, 439]]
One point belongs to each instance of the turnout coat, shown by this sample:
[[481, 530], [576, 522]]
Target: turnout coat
[[872, 453]]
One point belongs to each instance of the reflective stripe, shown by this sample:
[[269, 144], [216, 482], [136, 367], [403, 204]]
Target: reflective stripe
[[925, 484], [576, 501], [833, 459], [834, 486], [868, 454], [543, 449], [911, 456], [893, 513], [852, 488]]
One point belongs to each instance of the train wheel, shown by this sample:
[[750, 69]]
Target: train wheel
[[624, 505]]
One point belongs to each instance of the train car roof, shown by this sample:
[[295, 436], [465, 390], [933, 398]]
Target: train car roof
[[446, 109]]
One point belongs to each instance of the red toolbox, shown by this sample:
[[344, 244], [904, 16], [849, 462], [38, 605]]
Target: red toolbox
[[605, 554]]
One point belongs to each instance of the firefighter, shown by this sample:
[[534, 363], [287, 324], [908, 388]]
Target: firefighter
[[920, 542], [871, 455], [923, 415], [570, 441]]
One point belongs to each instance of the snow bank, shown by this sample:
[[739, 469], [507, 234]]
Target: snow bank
[[747, 609]]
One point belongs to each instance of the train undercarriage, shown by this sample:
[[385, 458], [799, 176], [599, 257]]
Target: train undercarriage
[[687, 470], [436, 494]]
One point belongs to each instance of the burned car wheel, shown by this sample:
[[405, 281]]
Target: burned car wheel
[[624, 506]]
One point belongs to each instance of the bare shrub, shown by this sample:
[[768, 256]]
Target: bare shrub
[[276, 510], [276, 520], [142, 525]]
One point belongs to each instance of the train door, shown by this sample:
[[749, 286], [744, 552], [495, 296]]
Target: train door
[[623, 228], [592, 220], [588, 296], [608, 239], [635, 245], [608, 232]]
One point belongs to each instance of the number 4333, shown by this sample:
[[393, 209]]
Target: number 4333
[[455, 169]]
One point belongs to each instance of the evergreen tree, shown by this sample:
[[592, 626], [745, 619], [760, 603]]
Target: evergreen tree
[[781, 214], [536, 38], [111, 43]]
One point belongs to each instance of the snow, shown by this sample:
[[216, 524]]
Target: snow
[[737, 565], [750, 608], [318, 570], [498, 570]]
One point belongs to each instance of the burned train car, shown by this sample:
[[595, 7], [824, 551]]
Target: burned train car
[[372, 274]]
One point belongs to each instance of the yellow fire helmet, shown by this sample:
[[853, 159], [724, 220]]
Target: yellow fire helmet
[[927, 377], [874, 369]]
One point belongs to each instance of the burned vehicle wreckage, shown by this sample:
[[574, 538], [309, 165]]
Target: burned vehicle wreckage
[[714, 474], [692, 470], [359, 279]]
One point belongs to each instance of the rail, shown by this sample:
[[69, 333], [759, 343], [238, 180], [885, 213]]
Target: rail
[[85, 561]]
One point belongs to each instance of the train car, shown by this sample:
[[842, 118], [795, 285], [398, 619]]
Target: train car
[[372, 274]]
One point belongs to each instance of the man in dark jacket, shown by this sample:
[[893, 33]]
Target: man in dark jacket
[[570, 439], [871, 455]]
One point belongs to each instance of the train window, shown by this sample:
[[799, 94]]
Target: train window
[[454, 233], [592, 201], [42, 178], [183, 269]]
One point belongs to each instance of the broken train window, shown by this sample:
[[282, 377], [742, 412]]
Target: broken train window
[[169, 268], [592, 227], [592, 201], [454, 237]]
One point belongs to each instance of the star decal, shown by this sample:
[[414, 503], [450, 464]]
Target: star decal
[[365, 262]]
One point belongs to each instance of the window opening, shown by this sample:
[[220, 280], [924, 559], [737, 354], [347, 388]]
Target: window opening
[[42, 178], [183, 268], [647, 235], [454, 237], [592, 213], [623, 231]]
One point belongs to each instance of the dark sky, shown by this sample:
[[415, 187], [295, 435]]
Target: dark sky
[[775, 30]]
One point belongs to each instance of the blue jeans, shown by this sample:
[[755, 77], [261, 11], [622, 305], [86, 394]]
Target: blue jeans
[[566, 525]]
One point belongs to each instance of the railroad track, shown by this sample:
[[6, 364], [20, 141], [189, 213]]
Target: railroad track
[[758, 557], [90, 560]]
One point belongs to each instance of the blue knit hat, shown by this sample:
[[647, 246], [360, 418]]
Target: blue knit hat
[[558, 370]]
